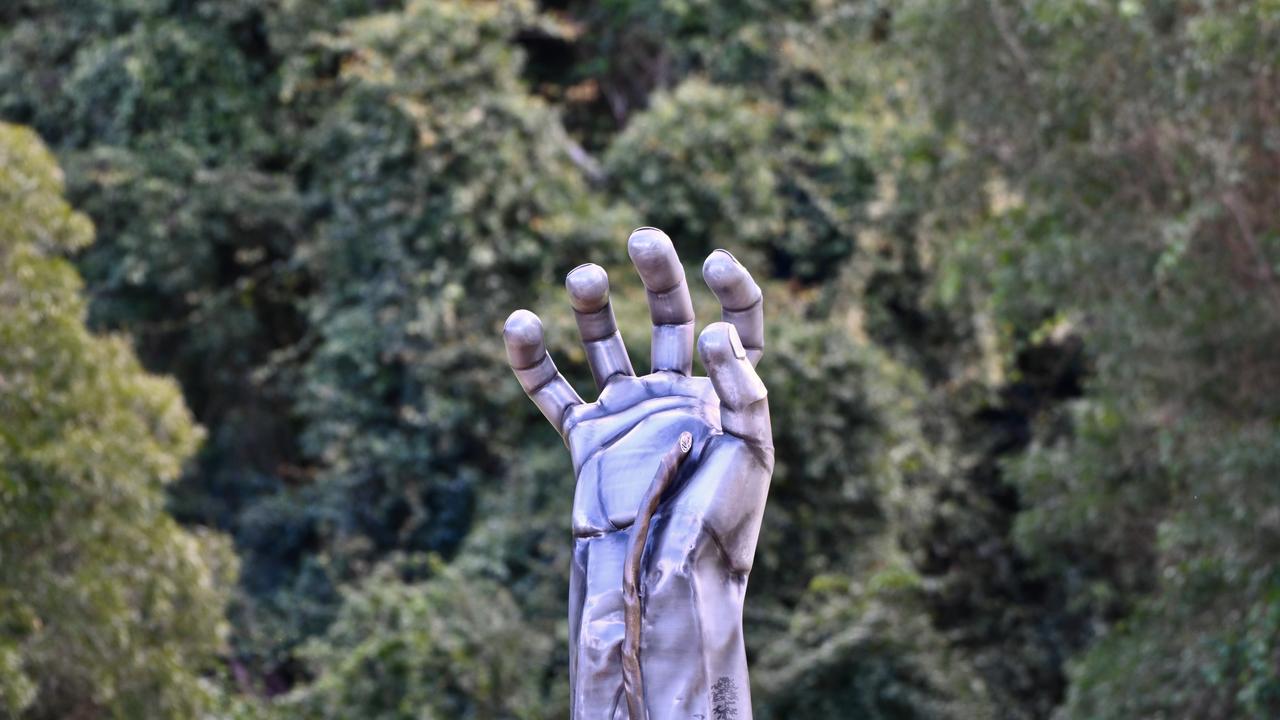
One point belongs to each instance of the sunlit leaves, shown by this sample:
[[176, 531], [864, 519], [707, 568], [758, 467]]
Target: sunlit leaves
[[107, 606]]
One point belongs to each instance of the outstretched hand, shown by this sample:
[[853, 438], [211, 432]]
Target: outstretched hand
[[648, 413]]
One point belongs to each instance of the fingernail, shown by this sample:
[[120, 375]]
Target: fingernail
[[726, 253]]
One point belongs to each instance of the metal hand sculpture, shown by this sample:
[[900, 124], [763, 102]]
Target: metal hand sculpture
[[672, 474]]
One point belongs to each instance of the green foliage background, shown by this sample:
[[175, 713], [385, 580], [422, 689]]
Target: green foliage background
[[1024, 316]]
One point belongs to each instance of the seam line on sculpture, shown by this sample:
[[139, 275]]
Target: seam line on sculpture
[[673, 324], [604, 509], [747, 438], [546, 357], [751, 442], [613, 336], [604, 383], [543, 385], [677, 284], [724, 552], [701, 637], [597, 311], [757, 302], [564, 418]]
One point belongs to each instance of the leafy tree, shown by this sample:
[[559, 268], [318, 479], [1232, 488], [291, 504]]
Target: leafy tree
[[759, 141], [697, 163], [447, 647], [1022, 303], [1127, 200], [108, 607], [419, 249]]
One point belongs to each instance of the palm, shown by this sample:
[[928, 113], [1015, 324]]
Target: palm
[[617, 441]]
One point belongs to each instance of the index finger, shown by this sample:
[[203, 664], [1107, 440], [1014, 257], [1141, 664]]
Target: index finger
[[537, 373]]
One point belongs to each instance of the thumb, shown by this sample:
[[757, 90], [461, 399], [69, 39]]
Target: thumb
[[744, 404]]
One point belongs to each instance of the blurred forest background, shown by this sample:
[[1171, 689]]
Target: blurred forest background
[[261, 456]]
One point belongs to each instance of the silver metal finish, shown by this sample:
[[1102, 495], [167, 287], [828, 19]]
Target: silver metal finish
[[741, 301], [632, 675], [672, 476], [534, 368], [588, 287], [670, 306]]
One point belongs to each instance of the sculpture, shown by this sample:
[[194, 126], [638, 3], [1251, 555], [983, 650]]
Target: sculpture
[[672, 474]]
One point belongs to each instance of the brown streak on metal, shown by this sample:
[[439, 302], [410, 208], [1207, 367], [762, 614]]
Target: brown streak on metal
[[632, 681]]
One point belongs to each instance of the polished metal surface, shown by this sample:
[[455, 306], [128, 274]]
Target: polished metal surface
[[672, 475]]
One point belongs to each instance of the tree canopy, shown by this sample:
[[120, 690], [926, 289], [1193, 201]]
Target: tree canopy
[[1020, 262], [109, 607]]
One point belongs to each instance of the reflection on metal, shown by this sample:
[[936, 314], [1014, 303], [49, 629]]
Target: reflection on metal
[[632, 681], [672, 474]]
